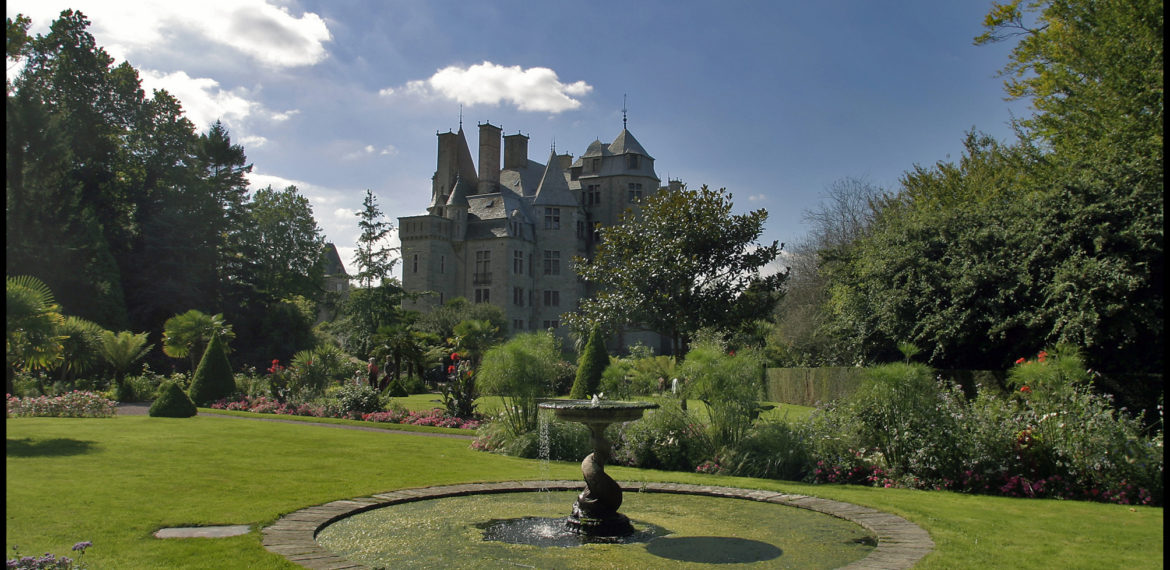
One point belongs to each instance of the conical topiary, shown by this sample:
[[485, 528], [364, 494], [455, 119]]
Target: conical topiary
[[213, 377], [594, 359], [172, 403]]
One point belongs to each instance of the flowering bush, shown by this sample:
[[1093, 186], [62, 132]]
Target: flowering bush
[[48, 561], [265, 405], [75, 404]]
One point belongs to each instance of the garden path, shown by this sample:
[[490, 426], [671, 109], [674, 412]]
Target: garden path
[[140, 409]]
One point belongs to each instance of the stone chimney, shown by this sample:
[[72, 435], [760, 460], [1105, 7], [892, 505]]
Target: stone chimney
[[489, 158], [515, 151]]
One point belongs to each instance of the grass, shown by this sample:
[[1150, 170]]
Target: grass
[[115, 481]]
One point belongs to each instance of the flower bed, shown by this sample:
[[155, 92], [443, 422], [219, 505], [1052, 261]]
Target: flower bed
[[264, 405], [75, 404]]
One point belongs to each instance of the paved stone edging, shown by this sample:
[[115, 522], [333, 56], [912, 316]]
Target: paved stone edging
[[901, 543]]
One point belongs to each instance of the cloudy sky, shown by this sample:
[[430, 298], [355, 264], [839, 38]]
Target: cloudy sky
[[772, 100]]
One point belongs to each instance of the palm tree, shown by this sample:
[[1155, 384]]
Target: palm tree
[[188, 334], [32, 340], [121, 350], [80, 347]]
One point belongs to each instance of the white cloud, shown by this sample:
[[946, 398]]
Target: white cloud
[[757, 198], [203, 100], [281, 117], [266, 33], [252, 141], [532, 89]]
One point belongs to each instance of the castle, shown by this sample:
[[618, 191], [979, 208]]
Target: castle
[[506, 235]]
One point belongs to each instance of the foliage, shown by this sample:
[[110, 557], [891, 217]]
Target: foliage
[[354, 400], [75, 404], [404, 349], [770, 450], [287, 244], [616, 381], [679, 265], [459, 390], [434, 417], [312, 370], [172, 402], [187, 335], [373, 258], [213, 378], [590, 367], [364, 311], [80, 347], [122, 349], [32, 320], [666, 438], [565, 441], [729, 385], [520, 371]]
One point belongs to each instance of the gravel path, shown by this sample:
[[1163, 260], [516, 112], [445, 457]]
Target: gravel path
[[139, 409]]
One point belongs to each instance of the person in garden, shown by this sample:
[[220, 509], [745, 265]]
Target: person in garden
[[372, 370]]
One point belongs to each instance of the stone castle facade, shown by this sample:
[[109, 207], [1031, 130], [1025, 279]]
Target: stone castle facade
[[506, 233]]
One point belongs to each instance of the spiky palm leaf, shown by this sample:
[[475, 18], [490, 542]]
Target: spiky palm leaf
[[32, 319], [121, 350]]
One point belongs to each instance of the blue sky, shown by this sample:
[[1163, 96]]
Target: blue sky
[[773, 100]]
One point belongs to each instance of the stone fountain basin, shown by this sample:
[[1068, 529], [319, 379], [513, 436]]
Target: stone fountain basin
[[605, 411]]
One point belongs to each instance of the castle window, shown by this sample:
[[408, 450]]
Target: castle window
[[552, 262], [635, 192], [414, 265], [483, 295], [518, 296], [483, 267], [595, 165], [593, 195], [552, 298], [580, 230], [552, 324], [632, 161], [518, 262], [518, 325], [552, 218], [442, 264]]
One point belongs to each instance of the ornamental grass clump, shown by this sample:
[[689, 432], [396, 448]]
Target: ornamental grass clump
[[75, 404]]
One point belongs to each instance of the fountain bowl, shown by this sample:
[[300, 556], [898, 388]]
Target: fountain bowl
[[604, 411]]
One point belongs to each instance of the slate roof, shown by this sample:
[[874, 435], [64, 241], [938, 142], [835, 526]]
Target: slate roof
[[554, 188], [625, 143]]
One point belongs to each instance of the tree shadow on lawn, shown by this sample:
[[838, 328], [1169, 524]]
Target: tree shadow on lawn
[[57, 447]]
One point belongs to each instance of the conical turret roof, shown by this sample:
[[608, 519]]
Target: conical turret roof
[[625, 143], [460, 192], [554, 189]]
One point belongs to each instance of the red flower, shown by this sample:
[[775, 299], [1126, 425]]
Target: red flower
[[454, 356], [450, 369], [1041, 356], [731, 353], [1025, 389], [1021, 360]]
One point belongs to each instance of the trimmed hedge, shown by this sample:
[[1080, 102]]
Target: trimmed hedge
[[808, 386], [592, 364], [213, 378], [172, 403]]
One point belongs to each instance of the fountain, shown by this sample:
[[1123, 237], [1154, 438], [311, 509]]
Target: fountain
[[595, 511]]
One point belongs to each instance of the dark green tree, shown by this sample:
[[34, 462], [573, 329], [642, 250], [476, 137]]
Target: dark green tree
[[374, 258], [594, 359], [213, 378], [679, 265], [287, 245]]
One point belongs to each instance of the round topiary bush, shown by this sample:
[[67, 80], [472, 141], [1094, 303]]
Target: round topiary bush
[[213, 377], [172, 403]]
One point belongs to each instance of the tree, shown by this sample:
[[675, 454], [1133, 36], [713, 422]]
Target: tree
[[186, 335], [680, 265], [594, 360], [81, 347], [287, 245], [32, 320], [121, 350], [520, 371], [213, 379], [373, 257]]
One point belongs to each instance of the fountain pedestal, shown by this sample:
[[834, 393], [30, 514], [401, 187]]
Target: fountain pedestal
[[595, 511]]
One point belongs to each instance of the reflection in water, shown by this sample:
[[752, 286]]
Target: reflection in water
[[713, 549]]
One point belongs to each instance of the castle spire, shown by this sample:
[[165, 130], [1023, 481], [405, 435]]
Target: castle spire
[[623, 111]]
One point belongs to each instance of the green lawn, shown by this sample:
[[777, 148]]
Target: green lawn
[[116, 481]]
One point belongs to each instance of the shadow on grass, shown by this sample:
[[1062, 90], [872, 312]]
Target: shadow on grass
[[713, 549], [57, 447]]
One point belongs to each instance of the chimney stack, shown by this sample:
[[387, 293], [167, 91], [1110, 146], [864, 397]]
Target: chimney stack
[[489, 158]]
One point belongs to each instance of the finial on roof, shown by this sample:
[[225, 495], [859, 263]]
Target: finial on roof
[[461, 116], [554, 145], [623, 111]]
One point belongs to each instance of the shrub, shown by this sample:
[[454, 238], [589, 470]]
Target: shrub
[[172, 403], [771, 450], [566, 441], [520, 371], [616, 382], [213, 379], [590, 367], [75, 404], [665, 438], [728, 384], [355, 400]]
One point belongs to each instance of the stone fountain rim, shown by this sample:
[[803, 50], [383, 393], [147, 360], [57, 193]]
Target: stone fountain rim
[[901, 543], [600, 405]]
